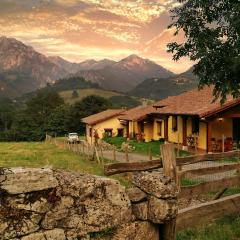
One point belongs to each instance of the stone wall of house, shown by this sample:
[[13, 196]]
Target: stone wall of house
[[46, 204]]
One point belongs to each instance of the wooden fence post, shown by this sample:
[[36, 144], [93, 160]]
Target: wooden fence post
[[114, 154], [97, 155], [101, 151], [83, 149], [150, 154], [126, 152], [178, 146], [170, 170], [223, 143]]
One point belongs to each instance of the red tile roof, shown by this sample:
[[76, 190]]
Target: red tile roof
[[137, 113], [103, 116], [194, 102]]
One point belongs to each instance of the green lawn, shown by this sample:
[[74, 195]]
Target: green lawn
[[140, 147], [227, 228], [43, 154], [67, 95]]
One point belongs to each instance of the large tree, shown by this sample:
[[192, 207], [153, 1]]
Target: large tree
[[212, 31], [88, 106], [31, 123]]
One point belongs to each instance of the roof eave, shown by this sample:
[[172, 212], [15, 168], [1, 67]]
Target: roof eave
[[220, 109], [102, 120]]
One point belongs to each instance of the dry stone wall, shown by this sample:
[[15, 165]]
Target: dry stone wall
[[46, 204]]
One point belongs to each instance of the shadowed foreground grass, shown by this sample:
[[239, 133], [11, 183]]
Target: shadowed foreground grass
[[43, 154], [227, 228]]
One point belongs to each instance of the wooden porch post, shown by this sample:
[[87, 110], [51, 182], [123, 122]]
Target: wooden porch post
[[166, 128], [209, 137], [184, 133], [127, 129]]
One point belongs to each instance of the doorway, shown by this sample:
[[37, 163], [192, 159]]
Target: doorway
[[236, 131], [120, 132]]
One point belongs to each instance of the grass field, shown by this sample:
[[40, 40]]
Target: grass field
[[40, 154], [67, 95], [227, 228], [43, 154], [140, 147]]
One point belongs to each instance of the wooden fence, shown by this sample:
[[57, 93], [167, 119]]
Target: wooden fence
[[202, 213], [90, 152], [81, 148], [99, 152]]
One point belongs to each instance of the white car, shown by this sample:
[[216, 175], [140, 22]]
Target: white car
[[73, 138]]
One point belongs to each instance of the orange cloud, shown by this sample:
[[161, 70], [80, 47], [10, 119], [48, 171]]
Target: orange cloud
[[80, 29]]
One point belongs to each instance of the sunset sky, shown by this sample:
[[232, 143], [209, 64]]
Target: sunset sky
[[82, 29]]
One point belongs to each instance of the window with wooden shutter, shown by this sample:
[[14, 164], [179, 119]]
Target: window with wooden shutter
[[174, 123], [159, 128], [195, 125]]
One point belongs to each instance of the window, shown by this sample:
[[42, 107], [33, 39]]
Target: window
[[195, 125], [159, 128], [108, 132], [142, 127], [120, 132], [174, 123], [90, 132]]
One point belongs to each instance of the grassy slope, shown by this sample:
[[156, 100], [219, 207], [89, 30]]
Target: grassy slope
[[67, 95], [227, 228], [41, 154]]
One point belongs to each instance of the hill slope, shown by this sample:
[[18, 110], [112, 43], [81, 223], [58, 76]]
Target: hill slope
[[159, 88], [74, 89]]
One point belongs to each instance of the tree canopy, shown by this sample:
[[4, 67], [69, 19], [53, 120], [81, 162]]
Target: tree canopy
[[212, 31], [46, 112], [89, 105]]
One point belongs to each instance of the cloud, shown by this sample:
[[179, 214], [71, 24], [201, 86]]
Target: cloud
[[79, 29], [156, 48]]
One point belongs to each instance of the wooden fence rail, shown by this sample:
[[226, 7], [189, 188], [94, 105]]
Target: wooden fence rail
[[208, 212], [116, 168], [209, 170], [112, 169], [211, 186]]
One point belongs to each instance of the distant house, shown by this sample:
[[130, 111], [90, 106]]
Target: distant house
[[103, 124], [191, 119], [141, 125]]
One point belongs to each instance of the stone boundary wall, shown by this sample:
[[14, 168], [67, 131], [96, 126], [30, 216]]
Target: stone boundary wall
[[46, 204]]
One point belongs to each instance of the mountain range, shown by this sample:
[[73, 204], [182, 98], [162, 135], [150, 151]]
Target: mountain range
[[22, 70], [125, 74]]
